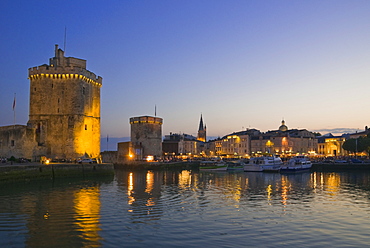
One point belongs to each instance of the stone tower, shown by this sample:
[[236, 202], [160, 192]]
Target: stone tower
[[65, 107], [202, 131], [146, 136]]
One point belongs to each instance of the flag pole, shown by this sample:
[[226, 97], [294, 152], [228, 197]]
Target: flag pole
[[65, 38], [14, 109], [107, 141]]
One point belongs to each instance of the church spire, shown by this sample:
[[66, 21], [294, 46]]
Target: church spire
[[201, 123], [202, 135]]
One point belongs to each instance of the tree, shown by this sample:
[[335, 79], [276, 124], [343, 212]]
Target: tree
[[350, 145], [357, 145]]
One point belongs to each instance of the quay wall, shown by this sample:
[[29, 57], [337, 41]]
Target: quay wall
[[28, 172], [340, 166]]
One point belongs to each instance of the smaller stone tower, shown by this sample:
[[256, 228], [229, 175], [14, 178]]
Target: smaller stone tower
[[146, 136], [202, 131]]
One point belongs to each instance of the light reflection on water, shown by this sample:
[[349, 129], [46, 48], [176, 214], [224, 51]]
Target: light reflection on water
[[187, 208]]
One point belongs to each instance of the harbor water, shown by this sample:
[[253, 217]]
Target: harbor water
[[189, 209]]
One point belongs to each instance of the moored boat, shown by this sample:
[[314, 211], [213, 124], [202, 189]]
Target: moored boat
[[264, 163], [297, 164], [235, 165], [213, 166]]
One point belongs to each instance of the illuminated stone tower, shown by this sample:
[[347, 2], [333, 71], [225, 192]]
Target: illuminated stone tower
[[65, 107], [202, 131], [146, 136]]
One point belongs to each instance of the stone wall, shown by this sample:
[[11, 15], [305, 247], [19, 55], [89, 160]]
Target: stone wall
[[19, 141], [109, 156]]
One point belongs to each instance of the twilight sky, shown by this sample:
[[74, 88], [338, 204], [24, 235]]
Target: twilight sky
[[242, 64]]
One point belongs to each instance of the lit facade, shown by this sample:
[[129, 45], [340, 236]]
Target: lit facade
[[284, 142], [331, 145], [182, 144], [235, 145]]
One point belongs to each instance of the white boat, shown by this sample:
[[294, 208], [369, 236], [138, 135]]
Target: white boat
[[213, 166], [264, 164], [296, 164]]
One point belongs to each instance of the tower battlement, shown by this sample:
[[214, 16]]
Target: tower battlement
[[63, 73], [64, 67], [146, 119]]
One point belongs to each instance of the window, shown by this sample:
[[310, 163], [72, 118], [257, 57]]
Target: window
[[12, 142], [85, 127], [34, 89], [83, 90]]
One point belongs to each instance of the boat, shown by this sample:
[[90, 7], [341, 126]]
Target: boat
[[264, 163], [213, 166], [235, 165], [297, 164]]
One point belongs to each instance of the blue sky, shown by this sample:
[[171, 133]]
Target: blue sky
[[242, 64]]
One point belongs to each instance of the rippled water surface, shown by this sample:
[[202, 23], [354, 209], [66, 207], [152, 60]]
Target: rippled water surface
[[189, 209]]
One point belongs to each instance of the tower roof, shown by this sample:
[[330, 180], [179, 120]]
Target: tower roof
[[283, 127]]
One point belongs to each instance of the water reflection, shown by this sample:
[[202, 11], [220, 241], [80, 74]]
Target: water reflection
[[54, 214], [152, 188], [181, 208], [87, 207]]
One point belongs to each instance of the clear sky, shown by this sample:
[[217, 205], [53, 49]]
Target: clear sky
[[242, 64]]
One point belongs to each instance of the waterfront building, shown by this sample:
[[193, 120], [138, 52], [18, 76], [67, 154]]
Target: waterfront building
[[186, 145], [360, 134], [235, 145], [330, 145], [64, 117], [181, 144], [146, 137], [284, 142]]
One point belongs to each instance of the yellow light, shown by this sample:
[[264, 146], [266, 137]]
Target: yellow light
[[150, 158], [47, 161]]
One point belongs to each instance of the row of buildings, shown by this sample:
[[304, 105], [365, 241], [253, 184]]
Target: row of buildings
[[64, 123], [146, 142], [252, 142]]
